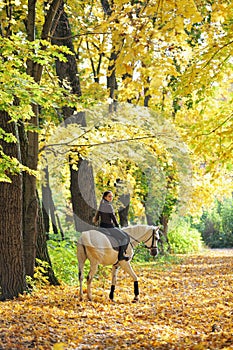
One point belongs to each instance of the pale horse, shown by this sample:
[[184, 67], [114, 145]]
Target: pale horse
[[97, 248]]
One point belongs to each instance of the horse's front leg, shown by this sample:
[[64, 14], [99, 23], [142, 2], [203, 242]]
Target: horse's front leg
[[128, 268], [136, 291], [90, 276], [80, 276], [114, 279], [81, 261]]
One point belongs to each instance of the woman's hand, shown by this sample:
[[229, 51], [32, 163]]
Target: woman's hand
[[94, 220]]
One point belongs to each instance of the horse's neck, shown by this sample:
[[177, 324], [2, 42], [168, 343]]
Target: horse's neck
[[139, 232]]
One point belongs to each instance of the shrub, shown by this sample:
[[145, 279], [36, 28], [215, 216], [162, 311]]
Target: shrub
[[184, 239], [64, 260], [216, 225]]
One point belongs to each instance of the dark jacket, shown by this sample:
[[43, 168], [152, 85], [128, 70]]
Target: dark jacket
[[106, 214]]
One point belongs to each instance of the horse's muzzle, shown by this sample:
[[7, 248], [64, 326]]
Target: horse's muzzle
[[154, 251]]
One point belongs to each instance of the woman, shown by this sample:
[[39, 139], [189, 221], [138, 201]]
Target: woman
[[108, 220]]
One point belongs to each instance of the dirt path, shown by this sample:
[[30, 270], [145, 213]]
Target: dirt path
[[187, 305]]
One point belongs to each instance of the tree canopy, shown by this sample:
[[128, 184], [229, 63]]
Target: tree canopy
[[173, 58]]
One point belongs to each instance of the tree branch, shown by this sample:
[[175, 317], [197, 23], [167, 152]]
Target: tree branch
[[221, 48], [49, 19], [49, 147], [76, 35], [45, 33], [217, 127]]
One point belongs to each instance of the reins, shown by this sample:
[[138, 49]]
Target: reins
[[152, 243]]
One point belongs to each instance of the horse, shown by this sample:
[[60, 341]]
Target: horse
[[97, 248]]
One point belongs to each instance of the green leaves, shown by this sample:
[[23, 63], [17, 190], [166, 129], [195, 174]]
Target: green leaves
[[19, 92], [11, 166], [64, 261]]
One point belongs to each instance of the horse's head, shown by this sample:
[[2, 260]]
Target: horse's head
[[152, 242]]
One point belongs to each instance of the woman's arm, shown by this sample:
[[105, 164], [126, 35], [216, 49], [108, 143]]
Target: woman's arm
[[114, 219], [96, 217]]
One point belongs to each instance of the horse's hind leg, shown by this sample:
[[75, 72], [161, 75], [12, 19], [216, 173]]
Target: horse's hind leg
[[81, 255], [90, 276], [114, 279]]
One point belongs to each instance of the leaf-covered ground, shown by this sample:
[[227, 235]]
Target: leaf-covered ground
[[187, 305]]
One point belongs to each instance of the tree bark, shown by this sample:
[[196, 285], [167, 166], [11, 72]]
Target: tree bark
[[115, 51], [83, 195], [12, 271], [48, 206], [30, 204], [163, 219], [82, 181], [111, 80], [42, 250], [30, 144], [124, 209]]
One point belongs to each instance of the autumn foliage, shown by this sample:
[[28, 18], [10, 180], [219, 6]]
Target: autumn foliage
[[184, 305]]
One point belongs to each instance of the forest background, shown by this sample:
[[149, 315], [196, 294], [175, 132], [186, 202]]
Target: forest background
[[134, 96]]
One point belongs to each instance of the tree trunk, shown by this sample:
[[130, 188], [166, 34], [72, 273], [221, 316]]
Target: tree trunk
[[82, 181], [164, 238], [45, 209], [30, 203], [12, 271], [48, 206], [83, 195], [149, 218], [66, 71], [115, 51], [30, 144], [42, 250], [124, 209], [111, 80]]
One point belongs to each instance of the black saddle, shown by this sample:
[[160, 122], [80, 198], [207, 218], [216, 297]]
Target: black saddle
[[116, 236]]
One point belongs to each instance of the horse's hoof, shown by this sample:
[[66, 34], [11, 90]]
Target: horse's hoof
[[135, 300]]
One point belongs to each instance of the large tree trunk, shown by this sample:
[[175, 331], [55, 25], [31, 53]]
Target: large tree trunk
[[66, 71], [83, 195], [30, 203], [29, 150], [12, 271], [30, 145], [82, 180]]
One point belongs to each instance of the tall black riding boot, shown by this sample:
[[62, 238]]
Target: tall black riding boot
[[121, 255]]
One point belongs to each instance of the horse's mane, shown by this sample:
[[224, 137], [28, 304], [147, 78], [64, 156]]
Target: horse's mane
[[137, 231]]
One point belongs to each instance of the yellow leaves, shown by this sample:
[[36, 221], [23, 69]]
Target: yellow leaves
[[187, 305], [220, 12], [59, 346]]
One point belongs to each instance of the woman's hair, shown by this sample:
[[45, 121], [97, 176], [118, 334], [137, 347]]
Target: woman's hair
[[106, 193]]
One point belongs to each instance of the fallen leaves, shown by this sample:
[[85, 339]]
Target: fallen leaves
[[184, 306]]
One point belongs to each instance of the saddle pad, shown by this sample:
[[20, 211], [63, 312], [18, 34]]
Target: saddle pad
[[109, 235]]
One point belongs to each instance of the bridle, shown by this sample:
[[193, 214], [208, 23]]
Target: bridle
[[154, 239]]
